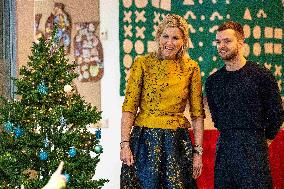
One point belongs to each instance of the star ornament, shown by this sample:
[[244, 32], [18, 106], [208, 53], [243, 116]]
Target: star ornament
[[42, 89]]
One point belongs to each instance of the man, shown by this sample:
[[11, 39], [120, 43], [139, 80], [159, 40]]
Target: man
[[245, 104]]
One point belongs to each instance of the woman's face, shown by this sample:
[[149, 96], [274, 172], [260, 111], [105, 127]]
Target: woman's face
[[170, 42]]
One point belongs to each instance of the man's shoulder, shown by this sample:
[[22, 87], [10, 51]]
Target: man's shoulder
[[258, 70], [216, 75]]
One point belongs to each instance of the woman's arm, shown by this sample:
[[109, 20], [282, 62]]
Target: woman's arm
[[197, 116], [198, 128], [130, 107], [127, 121]]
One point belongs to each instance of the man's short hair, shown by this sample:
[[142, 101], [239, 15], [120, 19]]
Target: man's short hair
[[237, 27]]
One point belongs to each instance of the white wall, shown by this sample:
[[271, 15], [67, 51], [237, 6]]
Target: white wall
[[111, 101]]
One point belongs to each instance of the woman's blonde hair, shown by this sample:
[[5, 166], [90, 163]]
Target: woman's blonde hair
[[173, 20]]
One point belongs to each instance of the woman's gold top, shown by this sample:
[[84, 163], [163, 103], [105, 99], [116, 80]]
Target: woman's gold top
[[158, 90]]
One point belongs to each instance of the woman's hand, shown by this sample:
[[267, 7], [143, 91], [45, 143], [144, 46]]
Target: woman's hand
[[197, 165], [198, 128], [269, 142], [126, 155]]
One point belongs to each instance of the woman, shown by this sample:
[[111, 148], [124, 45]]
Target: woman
[[159, 153]]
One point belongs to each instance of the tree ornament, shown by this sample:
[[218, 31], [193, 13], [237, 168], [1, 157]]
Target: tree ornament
[[37, 129], [18, 132], [67, 88], [42, 89], [46, 142], [31, 173], [72, 152], [99, 133], [62, 121], [98, 149], [88, 143], [67, 176], [8, 127], [43, 155]]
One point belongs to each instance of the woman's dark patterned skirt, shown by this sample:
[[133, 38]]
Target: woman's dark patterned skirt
[[162, 159]]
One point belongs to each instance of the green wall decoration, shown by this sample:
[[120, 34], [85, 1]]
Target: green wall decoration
[[262, 21]]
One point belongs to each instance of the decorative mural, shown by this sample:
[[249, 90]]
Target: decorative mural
[[88, 52], [61, 18], [262, 21]]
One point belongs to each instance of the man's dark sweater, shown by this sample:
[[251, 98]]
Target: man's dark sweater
[[246, 99]]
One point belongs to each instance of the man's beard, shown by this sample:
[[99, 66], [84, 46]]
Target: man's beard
[[229, 55]]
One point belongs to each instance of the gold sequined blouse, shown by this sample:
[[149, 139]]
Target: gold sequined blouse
[[158, 90]]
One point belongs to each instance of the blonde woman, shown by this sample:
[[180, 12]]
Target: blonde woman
[[156, 149]]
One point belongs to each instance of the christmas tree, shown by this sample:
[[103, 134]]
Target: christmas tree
[[48, 122]]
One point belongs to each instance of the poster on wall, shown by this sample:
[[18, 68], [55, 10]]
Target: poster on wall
[[63, 21], [65, 13], [88, 52], [262, 21]]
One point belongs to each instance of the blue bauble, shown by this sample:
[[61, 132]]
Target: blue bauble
[[18, 132], [98, 149], [8, 127], [72, 152], [43, 155], [67, 176], [98, 134]]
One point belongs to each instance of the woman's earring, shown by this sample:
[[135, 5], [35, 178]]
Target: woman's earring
[[180, 52]]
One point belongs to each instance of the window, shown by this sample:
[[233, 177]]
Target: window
[[7, 47]]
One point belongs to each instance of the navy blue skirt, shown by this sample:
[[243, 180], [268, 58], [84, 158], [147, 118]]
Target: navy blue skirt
[[162, 159]]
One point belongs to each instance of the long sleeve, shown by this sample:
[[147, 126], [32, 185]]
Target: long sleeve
[[195, 95], [272, 105], [134, 87], [210, 100]]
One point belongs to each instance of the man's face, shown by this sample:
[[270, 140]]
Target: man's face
[[228, 45]]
